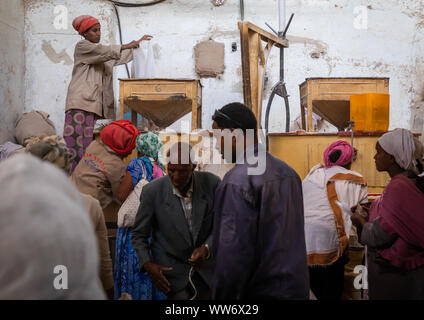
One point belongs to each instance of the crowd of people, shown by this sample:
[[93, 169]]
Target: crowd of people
[[185, 233], [193, 236]]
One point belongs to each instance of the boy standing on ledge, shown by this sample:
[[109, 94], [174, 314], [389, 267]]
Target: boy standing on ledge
[[90, 93]]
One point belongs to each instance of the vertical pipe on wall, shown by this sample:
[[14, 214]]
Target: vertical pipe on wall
[[282, 14]]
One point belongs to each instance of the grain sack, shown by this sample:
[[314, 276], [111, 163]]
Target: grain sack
[[33, 124]]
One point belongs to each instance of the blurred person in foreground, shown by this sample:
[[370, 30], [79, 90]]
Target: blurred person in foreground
[[54, 150], [48, 248]]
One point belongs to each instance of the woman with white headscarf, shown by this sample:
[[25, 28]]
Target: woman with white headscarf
[[394, 232], [47, 243]]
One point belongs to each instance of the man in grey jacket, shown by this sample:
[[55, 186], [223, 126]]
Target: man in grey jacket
[[176, 212]]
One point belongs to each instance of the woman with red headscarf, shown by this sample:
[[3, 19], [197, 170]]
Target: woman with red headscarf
[[327, 227], [90, 93], [101, 172]]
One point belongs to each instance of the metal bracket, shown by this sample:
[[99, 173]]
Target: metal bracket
[[272, 29], [280, 89]]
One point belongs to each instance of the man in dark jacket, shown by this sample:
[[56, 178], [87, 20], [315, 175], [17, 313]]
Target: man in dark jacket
[[176, 211], [259, 241]]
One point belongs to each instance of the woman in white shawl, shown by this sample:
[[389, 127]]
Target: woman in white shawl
[[47, 243], [327, 228], [392, 228]]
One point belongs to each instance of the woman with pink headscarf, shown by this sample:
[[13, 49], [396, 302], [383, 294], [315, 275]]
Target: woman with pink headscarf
[[327, 227], [90, 93], [393, 228]]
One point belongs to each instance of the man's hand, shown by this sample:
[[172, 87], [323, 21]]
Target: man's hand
[[358, 220], [146, 37], [158, 279], [199, 256], [110, 293], [360, 215], [131, 45], [362, 210], [136, 44]]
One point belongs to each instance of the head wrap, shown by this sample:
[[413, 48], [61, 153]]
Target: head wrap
[[52, 149], [100, 124], [150, 146], [419, 157], [120, 136], [400, 144], [345, 158], [44, 228], [82, 23]]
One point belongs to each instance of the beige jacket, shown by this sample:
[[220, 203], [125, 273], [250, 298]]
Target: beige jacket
[[98, 171], [91, 87], [96, 216]]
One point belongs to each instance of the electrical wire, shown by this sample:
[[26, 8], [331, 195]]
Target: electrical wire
[[120, 35], [190, 279], [135, 5]]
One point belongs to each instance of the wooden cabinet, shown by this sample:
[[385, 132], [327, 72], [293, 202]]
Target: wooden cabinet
[[303, 151], [330, 97], [163, 101]]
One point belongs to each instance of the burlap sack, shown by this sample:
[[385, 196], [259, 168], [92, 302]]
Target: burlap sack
[[33, 124]]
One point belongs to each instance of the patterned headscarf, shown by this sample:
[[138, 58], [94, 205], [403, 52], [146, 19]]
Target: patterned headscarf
[[345, 158], [150, 146]]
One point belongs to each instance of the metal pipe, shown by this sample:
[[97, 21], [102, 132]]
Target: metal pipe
[[242, 10], [286, 103], [282, 14], [281, 61], [120, 35], [268, 109]]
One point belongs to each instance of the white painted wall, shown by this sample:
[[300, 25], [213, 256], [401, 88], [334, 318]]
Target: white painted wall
[[12, 63], [390, 46]]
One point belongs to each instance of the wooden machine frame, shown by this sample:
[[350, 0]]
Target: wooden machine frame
[[254, 60]]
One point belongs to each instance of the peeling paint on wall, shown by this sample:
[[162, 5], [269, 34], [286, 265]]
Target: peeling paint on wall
[[12, 64], [323, 42], [320, 46], [54, 56]]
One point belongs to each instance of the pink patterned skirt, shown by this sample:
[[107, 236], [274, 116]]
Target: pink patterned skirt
[[78, 132]]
